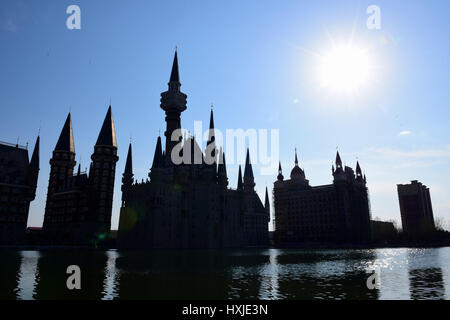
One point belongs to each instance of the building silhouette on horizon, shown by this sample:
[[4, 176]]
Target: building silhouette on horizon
[[328, 214], [416, 209], [18, 183], [189, 205], [79, 205]]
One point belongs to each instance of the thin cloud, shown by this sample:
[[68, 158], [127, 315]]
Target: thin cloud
[[405, 133], [390, 153]]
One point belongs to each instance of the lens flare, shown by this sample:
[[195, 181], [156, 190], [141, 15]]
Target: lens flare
[[345, 69]]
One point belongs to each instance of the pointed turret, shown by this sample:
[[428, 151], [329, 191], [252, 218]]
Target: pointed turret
[[211, 144], [338, 161], [222, 170], [297, 173], [79, 170], [359, 175], [280, 172], [239, 183], [174, 75], [158, 157], [102, 180], [338, 172], [211, 137], [34, 163], [267, 204], [65, 141], [249, 181], [107, 136], [129, 162], [127, 177]]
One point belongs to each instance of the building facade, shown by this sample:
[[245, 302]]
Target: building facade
[[79, 205], [335, 213], [415, 208], [18, 182], [188, 204]]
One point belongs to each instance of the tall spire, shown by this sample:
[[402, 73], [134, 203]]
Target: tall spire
[[248, 172], [107, 136], [174, 75], [211, 137], [210, 144], [65, 141], [358, 169], [129, 163], [34, 163], [338, 161], [240, 184], [173, 102], [127, 176], [266, 202], [158, 157], [280, 172], [296, 159], [249, 181]]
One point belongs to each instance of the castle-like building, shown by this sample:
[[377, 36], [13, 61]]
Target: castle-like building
[[335, 213], [78, 207], [18, 182], [189, 204]]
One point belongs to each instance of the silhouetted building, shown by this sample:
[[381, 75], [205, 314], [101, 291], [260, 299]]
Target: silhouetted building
[[415, 208], [18, 181], [383, 231], [189, 205], [335, 213], [78, 208]]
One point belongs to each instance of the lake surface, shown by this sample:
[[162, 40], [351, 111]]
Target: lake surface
[[243, 274]]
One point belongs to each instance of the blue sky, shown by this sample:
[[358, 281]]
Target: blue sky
[[256, 61]]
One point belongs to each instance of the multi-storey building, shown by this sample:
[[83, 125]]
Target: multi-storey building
[[335, 213], [18, 182], [415, 208]]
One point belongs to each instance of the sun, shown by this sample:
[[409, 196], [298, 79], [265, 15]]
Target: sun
[[345, 69]]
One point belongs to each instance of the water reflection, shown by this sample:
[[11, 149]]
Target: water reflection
[[426, 279], [249, 274], [27, 275], [9, 266]]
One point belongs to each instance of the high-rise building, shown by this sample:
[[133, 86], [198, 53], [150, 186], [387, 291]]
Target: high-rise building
[[189, 204], [18, 182], [334, 213], [79, 206], [415, 208]]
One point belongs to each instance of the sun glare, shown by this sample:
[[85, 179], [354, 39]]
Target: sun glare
[[345, 69]]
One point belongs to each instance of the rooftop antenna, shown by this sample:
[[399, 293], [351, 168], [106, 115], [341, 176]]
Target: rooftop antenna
[[17, 144]]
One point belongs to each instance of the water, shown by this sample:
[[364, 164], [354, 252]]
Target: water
[[244, 274]]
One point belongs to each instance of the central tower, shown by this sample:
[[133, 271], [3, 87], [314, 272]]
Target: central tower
[[173, 102]]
